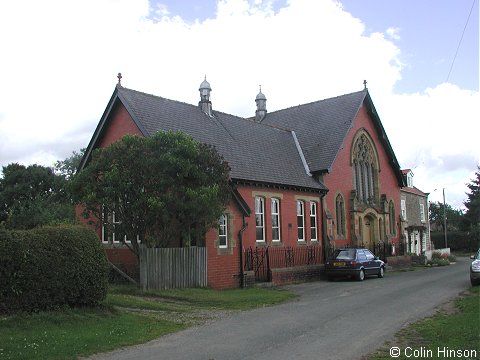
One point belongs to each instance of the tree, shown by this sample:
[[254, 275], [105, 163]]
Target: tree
[[68, 167], [166, 189], [436, 214], [32, 196], [472, 216]]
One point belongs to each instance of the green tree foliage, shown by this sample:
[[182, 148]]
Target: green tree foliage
[[472, 216], [68, 167], [436, 214], [167, 189], [32, 196]]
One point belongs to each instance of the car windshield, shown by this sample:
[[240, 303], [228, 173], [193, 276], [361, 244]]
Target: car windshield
[[348, 254]]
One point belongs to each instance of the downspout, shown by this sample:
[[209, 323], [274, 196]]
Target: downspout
[[240, 243], [324, 236]]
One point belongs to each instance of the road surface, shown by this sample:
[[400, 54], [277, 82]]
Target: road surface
[[329, 320]]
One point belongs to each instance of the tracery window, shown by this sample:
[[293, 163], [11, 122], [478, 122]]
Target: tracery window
[[365, 170]]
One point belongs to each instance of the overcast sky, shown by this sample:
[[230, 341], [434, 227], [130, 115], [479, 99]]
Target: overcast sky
[[59, 61]]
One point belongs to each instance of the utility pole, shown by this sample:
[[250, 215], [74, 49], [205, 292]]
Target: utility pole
[[445, 218]]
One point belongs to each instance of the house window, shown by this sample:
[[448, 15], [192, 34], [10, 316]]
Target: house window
[[365, 171], [275, 220], [340, 214], [422, 212], [301, 220], [223, 232], [260, 218], [313, 221], [116, 236], [403, 209], [391, 208]]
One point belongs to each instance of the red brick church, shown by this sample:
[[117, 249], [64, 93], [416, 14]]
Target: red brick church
[[308, 179]]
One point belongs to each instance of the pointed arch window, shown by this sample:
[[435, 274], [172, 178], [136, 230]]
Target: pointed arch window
[[391, 210], [340, 215], [365, 169]]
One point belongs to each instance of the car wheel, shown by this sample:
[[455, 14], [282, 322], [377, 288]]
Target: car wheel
[[361, 275], [474, 282], [381, 272]]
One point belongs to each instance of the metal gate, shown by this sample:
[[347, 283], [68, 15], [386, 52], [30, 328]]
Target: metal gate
[[257, 260]]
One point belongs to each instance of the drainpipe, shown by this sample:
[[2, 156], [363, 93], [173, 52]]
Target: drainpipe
[[324, 231], [240, 246]]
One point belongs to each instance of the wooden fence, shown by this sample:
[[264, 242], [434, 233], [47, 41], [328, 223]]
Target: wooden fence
[[168, 268]]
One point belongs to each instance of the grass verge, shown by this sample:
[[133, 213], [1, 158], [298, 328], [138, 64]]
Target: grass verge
[[453, 332], [128, 316]]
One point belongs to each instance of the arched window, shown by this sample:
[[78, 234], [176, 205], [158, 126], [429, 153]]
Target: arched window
[[391, 217], [365, 169], [340, 215]]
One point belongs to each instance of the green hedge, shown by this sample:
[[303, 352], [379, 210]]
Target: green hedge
[[456, 240], [51, 266]]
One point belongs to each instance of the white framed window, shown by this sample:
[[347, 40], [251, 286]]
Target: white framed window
[[313, 221], [260, 218], [223, 232], [422, 212], [275, 219], [404, 209], [115, 236], [301, 220]]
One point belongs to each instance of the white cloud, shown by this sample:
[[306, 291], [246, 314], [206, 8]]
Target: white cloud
[[393, 33], [60, 60]]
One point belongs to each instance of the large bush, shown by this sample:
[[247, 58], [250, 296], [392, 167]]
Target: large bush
[[52, 266]]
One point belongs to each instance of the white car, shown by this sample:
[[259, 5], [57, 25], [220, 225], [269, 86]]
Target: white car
[[475, 269]]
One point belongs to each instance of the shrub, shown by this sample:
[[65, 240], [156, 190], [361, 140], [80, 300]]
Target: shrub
[[52, 266]]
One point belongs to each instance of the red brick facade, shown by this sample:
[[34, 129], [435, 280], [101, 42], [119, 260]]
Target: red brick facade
[[340, 180]]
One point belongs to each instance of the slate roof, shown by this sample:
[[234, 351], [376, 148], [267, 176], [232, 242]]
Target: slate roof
[[255, 152], [321, 126], [284, 149]]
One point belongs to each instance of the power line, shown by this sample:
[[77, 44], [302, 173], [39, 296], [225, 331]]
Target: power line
[[460, 42]]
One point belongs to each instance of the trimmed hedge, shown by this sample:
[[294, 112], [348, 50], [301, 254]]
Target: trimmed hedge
[[456, 240], [49, 267]]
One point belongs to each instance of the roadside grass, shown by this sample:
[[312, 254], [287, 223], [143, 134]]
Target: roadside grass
[[454, 328], [127, 317]]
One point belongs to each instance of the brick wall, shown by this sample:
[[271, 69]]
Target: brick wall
[[297, 274]]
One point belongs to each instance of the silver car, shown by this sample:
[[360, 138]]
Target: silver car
[[475, 269]]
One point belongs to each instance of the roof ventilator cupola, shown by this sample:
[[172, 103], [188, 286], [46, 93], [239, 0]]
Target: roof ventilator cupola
[[205, 103], [261, 102]]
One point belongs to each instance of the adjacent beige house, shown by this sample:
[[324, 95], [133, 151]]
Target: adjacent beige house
[[414, 217]]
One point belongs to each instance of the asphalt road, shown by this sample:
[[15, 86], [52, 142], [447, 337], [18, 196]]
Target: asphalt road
[[339, 320]]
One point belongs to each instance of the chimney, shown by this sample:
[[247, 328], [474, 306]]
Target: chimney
[[261, 102], [205, 103]]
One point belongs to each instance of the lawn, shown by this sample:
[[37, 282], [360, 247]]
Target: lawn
[[127, 316], [452, 329]]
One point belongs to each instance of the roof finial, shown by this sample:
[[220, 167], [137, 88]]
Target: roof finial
[[260, 86], [365, 84], [119, 76]]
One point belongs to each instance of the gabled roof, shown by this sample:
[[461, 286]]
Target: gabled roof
[[414, 190], [322, 126], [256, 152]]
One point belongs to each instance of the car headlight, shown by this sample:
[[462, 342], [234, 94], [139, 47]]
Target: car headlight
[[476, 265]]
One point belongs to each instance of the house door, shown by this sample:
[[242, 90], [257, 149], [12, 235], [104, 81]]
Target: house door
[[368, 232]]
